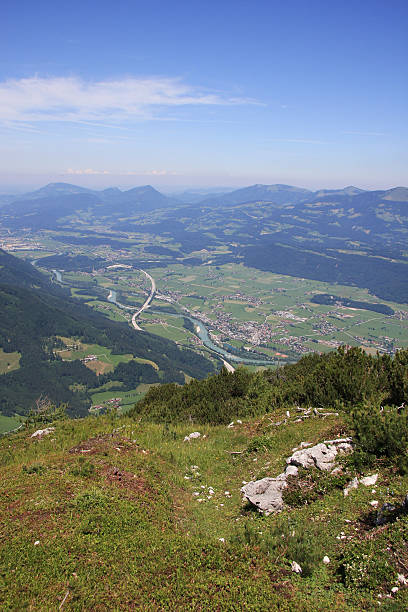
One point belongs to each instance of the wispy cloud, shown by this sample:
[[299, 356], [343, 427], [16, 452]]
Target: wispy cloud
[[70, 99]]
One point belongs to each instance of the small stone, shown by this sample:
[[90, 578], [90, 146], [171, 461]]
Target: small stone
[[351, 485], [326, 560], [374, 503], [368, 481], [192, 436], [42, 432], [401, 579], [239, 421], [221, 540], [394, 590], [295, 567], [36, 543]]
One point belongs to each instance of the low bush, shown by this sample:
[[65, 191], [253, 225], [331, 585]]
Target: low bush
[[380, 432], [310, 485]]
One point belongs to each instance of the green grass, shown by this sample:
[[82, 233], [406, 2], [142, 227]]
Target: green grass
[[129, 398], [9, 361], [8, 423], [142, 540], [104, 354]]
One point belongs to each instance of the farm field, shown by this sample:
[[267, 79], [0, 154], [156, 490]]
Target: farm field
[[9, 361], [105, 360], [247, 308], [8, 423]]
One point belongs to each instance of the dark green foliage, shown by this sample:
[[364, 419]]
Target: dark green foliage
[[310, 485], [217, 399], [36, 468], [380, 432], [342, 379], [260, 444], [346, 377], [44, 411], [326, 298]]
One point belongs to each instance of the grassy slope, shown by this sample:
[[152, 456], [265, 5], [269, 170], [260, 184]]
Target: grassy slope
[[143, 540]]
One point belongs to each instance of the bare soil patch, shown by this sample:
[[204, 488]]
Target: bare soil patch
[[104, 444]]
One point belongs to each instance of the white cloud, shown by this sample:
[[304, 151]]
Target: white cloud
[[38, 99]]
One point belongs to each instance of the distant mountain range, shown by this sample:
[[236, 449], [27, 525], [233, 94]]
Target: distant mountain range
[[49, 206], [42, 208]]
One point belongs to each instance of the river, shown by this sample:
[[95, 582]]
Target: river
[[200, 330]]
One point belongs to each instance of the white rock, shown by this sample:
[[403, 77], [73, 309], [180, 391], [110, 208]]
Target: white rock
[[369, 481], [288, 413], [239, 421], [192, 436], [394, 590], [231, 425], [265, 494], [401, 579], [295, 567], [351, 485], [42, 432], [374, 503], [326, 560], [221, 540], [291, 470], [36, 543], [320, 456]]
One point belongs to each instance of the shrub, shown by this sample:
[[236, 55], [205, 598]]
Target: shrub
[[310, 485], [261, 443], [36, 468], [380, 432]]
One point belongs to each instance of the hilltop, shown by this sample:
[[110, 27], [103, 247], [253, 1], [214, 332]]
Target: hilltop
[[123, 512]]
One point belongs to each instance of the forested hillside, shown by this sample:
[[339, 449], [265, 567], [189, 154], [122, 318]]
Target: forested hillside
[[36, 313]]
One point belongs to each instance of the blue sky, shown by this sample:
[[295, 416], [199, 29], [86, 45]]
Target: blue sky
[[208, 93]]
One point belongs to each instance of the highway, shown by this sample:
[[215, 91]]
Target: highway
[[147, 302]]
